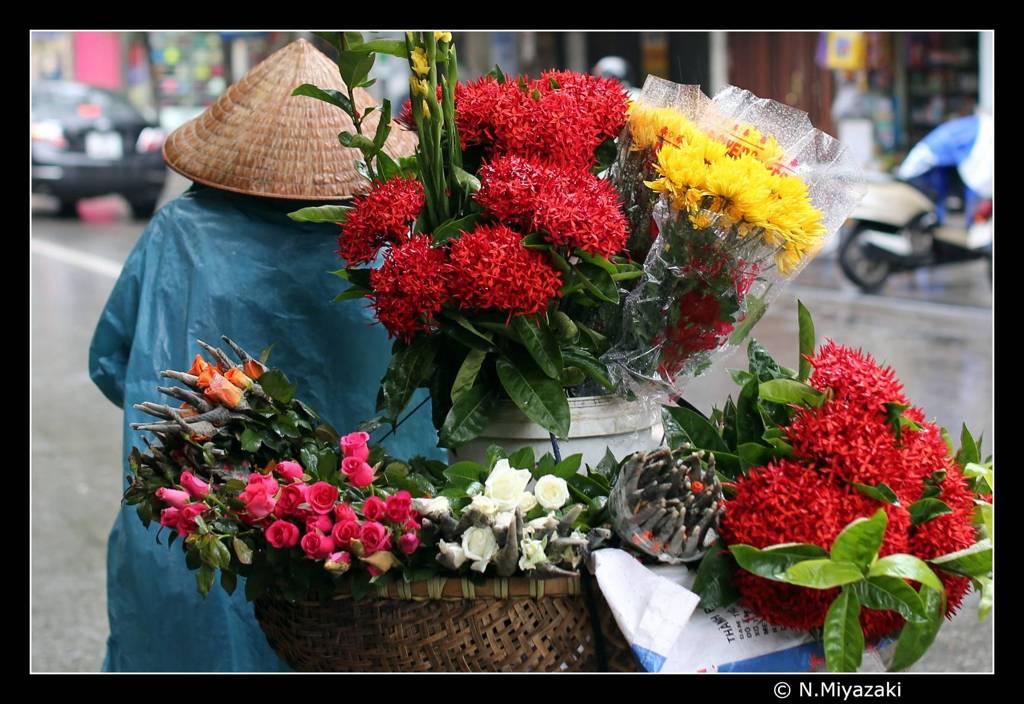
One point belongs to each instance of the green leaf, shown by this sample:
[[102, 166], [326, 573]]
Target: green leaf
[[467, 374], [740, 377], [879, 492], [761, 363], [451, 227], [585, 486], [466, 469], [591, 366], [806, 340], [926, 509], [540, 343], [823, 574], [749, 424], [465, 180], [968, 448], [468, 416], [410, 365], [321, 213], [842, 635], [772, 562], [892, 594], [276, 384], [391, 47], [522, 459], [546, 465], [539, 398], [333, 97], [383, 126], [906, 567], [974, 470], [916, 637], [354, 66], [698, 430], [596, 342], [860, 540], [787, 391], [986, 586], [204, 579], [497, 74], [242, 551], [598, 282], [568, 467], [357, 141], [756, 308], [714, 583], [975, 561], [597, 261], [752, 454], [983, 516]]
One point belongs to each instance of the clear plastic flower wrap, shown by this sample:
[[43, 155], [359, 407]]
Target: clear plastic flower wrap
[[728, 199]]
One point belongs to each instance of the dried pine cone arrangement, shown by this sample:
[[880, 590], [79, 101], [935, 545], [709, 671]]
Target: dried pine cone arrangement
[[667, 503]]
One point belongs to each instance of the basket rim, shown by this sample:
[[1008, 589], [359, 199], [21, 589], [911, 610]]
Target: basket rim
[[460, 588]]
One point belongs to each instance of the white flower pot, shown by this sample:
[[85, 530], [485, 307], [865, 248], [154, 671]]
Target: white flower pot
[[598, 423]]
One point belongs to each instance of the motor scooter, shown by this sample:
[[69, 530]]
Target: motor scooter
[[904, 222]]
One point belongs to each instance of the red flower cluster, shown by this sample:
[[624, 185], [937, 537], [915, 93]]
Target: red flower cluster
[[698, 329], [410, 287], [384, 215], [560, 118], [809, 498], [572, 208], [491, 269]]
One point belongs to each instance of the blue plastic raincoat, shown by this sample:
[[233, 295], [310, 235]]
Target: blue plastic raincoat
[[213, 263]]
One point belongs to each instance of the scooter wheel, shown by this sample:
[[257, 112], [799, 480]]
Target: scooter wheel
[[866, 271]]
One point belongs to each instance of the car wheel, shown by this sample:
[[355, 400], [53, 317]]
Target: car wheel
[[143, 209], [867, 272]]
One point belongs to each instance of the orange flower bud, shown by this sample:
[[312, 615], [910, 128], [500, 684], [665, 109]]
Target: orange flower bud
[[238, 378], [187, 411], [220, 390], [206, 375], [253, 368], [198, 365]]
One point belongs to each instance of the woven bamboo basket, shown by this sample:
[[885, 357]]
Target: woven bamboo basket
[[452, 625]]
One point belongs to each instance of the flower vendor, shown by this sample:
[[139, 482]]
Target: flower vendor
[[224, 257]]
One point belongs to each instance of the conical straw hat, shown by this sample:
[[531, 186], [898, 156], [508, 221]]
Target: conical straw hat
[[259, 139]]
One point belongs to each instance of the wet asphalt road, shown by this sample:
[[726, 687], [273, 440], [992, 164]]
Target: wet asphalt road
[[935, 328]]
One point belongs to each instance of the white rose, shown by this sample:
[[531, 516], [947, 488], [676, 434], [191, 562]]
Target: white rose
[[480, 546], [552, 492], [455, 550], [432, 507], [484, 504], [506, 485], [532, 553], [503, 520], [527, 502]]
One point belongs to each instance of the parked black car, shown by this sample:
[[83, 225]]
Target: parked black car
[[87, 141]]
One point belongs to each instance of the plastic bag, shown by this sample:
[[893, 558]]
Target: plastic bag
[[741, 192]]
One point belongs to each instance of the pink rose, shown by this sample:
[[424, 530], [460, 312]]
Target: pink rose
[[282, 534], [267, 481], [353, 466], [344, 512], [316, 546], [338, 562], [259, 505], [289, 469], [374, 537], [398, 506], [292, 496], [175, 497], [194, 485], [321, 497], [374, 508], [363, 478], [344, 532], [169, 517], [321, 523], [187, 517], [354, 445], [412, 524], [408, 543]]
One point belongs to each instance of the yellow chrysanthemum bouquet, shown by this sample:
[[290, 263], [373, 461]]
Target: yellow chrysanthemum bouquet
[[727, 199]]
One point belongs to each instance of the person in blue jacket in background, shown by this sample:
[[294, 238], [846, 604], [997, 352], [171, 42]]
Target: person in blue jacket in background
[[218, 261]]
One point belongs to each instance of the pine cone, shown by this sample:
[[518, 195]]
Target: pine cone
[[667, 503]]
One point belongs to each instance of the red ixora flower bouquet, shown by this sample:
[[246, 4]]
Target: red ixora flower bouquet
[[845, 509], [495, 256]]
